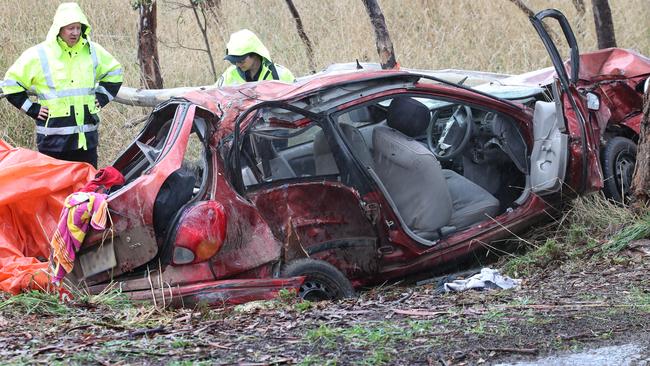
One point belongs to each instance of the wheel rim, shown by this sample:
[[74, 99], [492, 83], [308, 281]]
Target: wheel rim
[[624, 172], [312, 290]]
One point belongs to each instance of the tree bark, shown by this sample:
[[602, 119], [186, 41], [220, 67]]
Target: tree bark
[[152, 97], [382, 38], [604, 24], [150, 77], [302, 34], [641, 179]]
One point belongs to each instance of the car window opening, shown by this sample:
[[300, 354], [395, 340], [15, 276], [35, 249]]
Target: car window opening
[[280, 146], [464, 178]]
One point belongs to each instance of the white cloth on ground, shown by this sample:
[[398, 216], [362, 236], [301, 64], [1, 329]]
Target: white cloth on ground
[[488, 278]]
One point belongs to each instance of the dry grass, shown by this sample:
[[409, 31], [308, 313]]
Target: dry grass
[[480, 34]]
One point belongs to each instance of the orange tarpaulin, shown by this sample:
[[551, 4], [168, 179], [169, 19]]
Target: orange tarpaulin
[[32, 190]]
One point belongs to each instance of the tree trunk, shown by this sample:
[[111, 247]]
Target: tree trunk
[[302, 34], [384, 44], [641, 179], [604, 24], [148, 60]]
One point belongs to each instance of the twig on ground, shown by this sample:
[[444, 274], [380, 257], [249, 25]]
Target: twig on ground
[[146, 332], [419, 312], [528, 351]]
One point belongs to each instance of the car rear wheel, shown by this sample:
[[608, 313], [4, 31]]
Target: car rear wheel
[[322, 280], [618, 158]]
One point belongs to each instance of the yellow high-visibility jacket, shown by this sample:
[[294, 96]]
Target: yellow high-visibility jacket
[[235, 76], [242, 43], [68, 81]]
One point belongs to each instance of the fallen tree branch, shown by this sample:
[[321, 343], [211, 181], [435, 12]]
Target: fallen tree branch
[[145, 97], [151, 97]]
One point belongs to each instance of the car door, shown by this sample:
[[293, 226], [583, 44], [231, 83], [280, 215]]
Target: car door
[[564, 140], [284, 163]]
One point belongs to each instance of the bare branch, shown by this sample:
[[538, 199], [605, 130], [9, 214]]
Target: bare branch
[[198, 8], [521, 5], [302, 34], [203, 26], [580, 7], [530, 13]]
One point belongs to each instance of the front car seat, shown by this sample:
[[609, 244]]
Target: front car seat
[[411, 174], [430, 200]]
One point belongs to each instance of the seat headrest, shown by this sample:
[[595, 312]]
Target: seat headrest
[[408, 116]]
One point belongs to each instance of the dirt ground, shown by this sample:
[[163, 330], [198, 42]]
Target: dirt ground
[[559, 308]]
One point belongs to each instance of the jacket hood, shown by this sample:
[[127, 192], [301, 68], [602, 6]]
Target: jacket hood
[[68, 13], [245, 41]]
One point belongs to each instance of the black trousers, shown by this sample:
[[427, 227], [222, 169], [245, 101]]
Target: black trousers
[[86, 156]]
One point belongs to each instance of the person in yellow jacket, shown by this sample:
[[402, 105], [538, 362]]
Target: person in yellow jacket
[[72, 78], [251, 61]]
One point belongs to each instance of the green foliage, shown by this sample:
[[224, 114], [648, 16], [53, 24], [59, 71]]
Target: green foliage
[[379, 338], [111, 297], [379, 356], [324, 334], [290, 297], [303, 305], [36, 302], [636, 230], [181, 343], [313, 360], [191, 363], [640, 298], [583, 233], [540, 257], [287, 296], [376, 337]]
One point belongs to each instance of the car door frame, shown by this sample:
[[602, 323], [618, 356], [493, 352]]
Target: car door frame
[[590, 172], [361, 260]]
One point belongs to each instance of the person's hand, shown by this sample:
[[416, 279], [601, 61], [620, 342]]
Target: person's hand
[[97, 104], [44, 113]]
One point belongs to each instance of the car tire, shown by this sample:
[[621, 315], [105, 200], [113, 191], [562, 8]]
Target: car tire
[[323, 281], [618, 160]]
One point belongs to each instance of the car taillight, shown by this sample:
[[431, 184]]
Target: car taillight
[[200, 234]]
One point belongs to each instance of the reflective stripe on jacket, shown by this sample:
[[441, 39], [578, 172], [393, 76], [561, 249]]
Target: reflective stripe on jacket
[[68, 81], [235, 76]]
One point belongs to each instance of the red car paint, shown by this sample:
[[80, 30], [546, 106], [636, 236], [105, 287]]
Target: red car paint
[[282, 223], [246, 237], [616, 75]]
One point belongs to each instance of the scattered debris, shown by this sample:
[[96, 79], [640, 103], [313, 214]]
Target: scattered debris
[[487, 279]]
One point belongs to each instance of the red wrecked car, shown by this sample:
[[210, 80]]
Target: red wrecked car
[[347, 178], [613, 82]]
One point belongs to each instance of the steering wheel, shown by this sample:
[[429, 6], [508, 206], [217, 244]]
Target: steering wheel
[[454, 137]]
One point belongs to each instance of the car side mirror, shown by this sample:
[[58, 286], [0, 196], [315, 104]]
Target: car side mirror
[[593, 102]]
